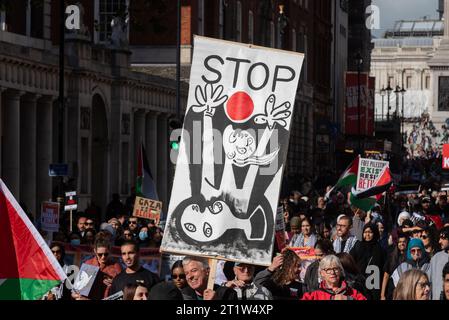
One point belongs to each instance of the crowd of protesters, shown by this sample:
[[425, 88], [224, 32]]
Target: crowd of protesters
[[398, 250]]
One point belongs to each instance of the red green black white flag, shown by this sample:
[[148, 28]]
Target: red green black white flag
[[145, 184], [28, 269]]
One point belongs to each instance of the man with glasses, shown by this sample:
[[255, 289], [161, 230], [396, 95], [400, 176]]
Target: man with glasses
[[437, 264], [344, 241], [133, 226], [134, 272], [333, 286], [89, 224], [108, 270], [244, 284]]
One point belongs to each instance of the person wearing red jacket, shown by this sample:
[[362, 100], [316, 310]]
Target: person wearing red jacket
[[333, 286]]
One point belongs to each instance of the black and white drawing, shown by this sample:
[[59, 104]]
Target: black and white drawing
[[225, 205]]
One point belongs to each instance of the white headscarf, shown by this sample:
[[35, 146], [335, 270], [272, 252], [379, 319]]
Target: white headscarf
[[403, 215]]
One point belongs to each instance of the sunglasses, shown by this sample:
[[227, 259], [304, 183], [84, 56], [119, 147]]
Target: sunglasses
[[103, 254], [415, 251], [88, 223], [424, 237], [178, 276], [127, 234], [443, 237], [133, 222], [56, 251]]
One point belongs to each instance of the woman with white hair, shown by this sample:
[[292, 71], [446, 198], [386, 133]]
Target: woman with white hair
[[333, 286]]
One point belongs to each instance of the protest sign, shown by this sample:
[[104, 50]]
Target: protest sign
[[85, 279], [228, 173], [147, 209], [307, 255], [50, 216], [368, 172], [281, 238]]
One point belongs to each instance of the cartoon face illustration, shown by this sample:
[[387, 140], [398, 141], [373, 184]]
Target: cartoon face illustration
[[238, 144], [216, 219], [206, 225]]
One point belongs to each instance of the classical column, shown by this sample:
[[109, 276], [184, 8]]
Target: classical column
[[446, 18], [28, 151], [151, 144], [11, 141], [162, 156], [139, 136], [44, 149]]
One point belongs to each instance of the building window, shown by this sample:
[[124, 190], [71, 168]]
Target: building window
[[238, 27], [427, 82], [343, 30], [272, 35], [443, 94], [293, 39], [125, 168], [408, 82], [84, 165], [302, 47], [201, 17], [107, 10], [2, 21], [221, 19], [250, 27]]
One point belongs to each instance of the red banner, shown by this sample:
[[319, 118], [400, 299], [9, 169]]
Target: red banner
[[445, 156], [352, 116]]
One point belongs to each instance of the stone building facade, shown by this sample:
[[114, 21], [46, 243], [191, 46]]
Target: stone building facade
[[109, 110]]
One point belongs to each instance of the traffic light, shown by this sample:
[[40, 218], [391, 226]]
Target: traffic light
[[174, 124]]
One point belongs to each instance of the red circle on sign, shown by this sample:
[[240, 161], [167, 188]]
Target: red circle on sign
[[240, 106]]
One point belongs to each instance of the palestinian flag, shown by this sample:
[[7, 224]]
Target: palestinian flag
[[145, 187], [28, 268], [348, 177], [365, 199]]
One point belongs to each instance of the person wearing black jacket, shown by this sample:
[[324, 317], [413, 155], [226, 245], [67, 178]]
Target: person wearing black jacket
[[197, 275], [394, 259], [368, 252], [312, 279]]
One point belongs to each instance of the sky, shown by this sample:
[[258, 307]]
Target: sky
[[393, 10]]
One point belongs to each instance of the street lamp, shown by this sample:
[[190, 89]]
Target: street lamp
[[389, 89], [403, 91], [359, 63], [397, 92], [383, 93]]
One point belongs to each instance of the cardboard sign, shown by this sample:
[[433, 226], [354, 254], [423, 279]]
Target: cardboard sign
[[305, 253], [281, 239], [50, 216], [147, 209], [85, 279], [368, 172], [233, 148]]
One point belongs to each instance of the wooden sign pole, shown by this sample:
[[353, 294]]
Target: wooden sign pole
[[71, 222], [212, 273]]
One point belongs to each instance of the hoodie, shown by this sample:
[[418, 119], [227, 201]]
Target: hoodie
[[409, 263]]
